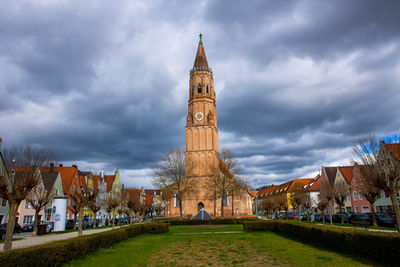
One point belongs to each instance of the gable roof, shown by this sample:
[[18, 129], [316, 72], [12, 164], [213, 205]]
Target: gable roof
[[49, 178], [68, 174], [347, 172], [330, 173], [109, 179]]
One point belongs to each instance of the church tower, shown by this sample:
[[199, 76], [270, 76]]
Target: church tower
[[201, 149], [201, 133]]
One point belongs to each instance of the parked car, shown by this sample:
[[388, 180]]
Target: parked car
[[27, 227], [90, 222], [318, 217], [50, 226], [85, 223], [383, 219], [360, 217], [17, 227], [69, 224], [2, 233]]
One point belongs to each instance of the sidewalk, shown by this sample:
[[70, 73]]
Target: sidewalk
[[42, 239]]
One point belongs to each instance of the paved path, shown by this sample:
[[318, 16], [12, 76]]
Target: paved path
[[38, 240], [209, 233]]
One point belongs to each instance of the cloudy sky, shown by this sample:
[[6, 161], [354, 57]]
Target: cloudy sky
[[105, 86]]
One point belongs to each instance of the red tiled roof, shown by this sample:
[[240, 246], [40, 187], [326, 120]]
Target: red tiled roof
[[303, 181], [109, 181], [394, 149], [347, 173], [82, 180], [68, 174], [96, 179], [134, 194], [149, 200], [316, 186]]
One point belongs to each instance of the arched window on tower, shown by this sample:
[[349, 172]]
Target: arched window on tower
[[192, 90], [199, 89], [207, 89]]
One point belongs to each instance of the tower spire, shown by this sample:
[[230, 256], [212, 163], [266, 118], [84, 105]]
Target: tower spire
[[201, 59]]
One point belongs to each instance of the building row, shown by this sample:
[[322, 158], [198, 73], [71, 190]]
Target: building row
[[350, 175]]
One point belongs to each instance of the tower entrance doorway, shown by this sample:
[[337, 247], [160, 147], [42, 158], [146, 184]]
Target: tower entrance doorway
[[200, 206]]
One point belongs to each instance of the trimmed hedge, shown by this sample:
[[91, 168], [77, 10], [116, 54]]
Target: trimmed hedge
[[56, 253], [380, 247], [214, 221]]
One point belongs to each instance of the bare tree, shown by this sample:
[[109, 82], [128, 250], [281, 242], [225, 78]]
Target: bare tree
[[384, 160], [95, 205], [174, 175], [112, 205], [267, 205], [81, 196], [371, 192], [341, 192], [282, 203], [74, 210], [22, 174], [39, 197], [224, 178], [322, 204], [327, 193], [131, 205], [298, 197]]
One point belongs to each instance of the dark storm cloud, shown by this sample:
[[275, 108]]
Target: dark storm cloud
[[105, 86]]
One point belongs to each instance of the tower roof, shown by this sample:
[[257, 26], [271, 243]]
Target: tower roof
[[201, 59]]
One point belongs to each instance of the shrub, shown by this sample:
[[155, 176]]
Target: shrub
[[56, 253], [379, 247]]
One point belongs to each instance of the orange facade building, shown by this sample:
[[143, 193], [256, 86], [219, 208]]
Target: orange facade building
[[201, 146]]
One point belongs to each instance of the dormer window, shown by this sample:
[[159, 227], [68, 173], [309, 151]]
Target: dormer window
[[199, 89]]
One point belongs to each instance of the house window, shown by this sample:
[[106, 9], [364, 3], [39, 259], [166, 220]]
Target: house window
[[355, 183], [354, 195], [356, 209], [361, 182], [360, 195], [3, 202], [56, 192], [26, 204], [28, 219], [365, 209], [226, 201], [177, 203]]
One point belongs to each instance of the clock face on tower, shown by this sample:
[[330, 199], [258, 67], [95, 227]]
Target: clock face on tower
[[199, 116]]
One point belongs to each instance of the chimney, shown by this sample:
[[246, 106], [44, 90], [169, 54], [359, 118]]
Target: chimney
[[60, 165], [51, 166]]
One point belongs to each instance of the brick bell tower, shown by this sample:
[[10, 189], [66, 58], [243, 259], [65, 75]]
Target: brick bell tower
[[201, 133]]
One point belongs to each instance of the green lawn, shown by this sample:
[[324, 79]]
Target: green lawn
[[192, 246]]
